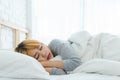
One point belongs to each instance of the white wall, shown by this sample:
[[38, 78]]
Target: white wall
[[60, 18], [12, 12], [102, 16], [55, 19]]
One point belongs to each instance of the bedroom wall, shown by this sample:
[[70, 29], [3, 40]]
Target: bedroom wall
[[12, 12], [55, 19], [102, 16]]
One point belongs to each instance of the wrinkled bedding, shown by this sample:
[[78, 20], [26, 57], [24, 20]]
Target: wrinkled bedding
[[103, 45], [84, 76], [99, 53]]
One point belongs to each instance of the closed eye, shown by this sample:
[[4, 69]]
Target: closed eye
[[41, 48], [36, 56]]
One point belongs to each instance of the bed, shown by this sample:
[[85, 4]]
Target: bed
[[100, 56]]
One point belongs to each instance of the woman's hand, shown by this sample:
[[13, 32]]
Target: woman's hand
[[48, 69], [50, 64]]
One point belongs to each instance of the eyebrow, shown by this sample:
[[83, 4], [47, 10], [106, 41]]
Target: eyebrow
[[39, 46]]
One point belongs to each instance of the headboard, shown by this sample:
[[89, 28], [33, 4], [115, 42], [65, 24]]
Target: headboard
[[11, 35]]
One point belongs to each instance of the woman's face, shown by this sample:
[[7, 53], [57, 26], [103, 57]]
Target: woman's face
[[42, 53]]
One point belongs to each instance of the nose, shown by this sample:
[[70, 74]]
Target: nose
[[42, 53], [42, 56]]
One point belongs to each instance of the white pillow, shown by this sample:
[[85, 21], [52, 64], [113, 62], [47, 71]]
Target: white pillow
[[19, 66]]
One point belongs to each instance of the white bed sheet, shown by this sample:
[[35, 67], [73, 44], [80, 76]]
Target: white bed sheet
[[84, 76], [17, 79]]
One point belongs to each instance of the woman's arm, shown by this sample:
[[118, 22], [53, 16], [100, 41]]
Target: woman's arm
[[50, 64], [70, 57], [55, 71], [48, 69]]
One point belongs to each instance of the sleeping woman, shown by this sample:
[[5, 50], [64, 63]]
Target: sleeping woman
[[44, 54]]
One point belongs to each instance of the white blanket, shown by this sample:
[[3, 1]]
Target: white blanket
[[84, 76], [105, 47], [101, 66]]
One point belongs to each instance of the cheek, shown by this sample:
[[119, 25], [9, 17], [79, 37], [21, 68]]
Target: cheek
[[46, 47]]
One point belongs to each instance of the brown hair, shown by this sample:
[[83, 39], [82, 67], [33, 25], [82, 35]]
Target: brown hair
[[26, 45]]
